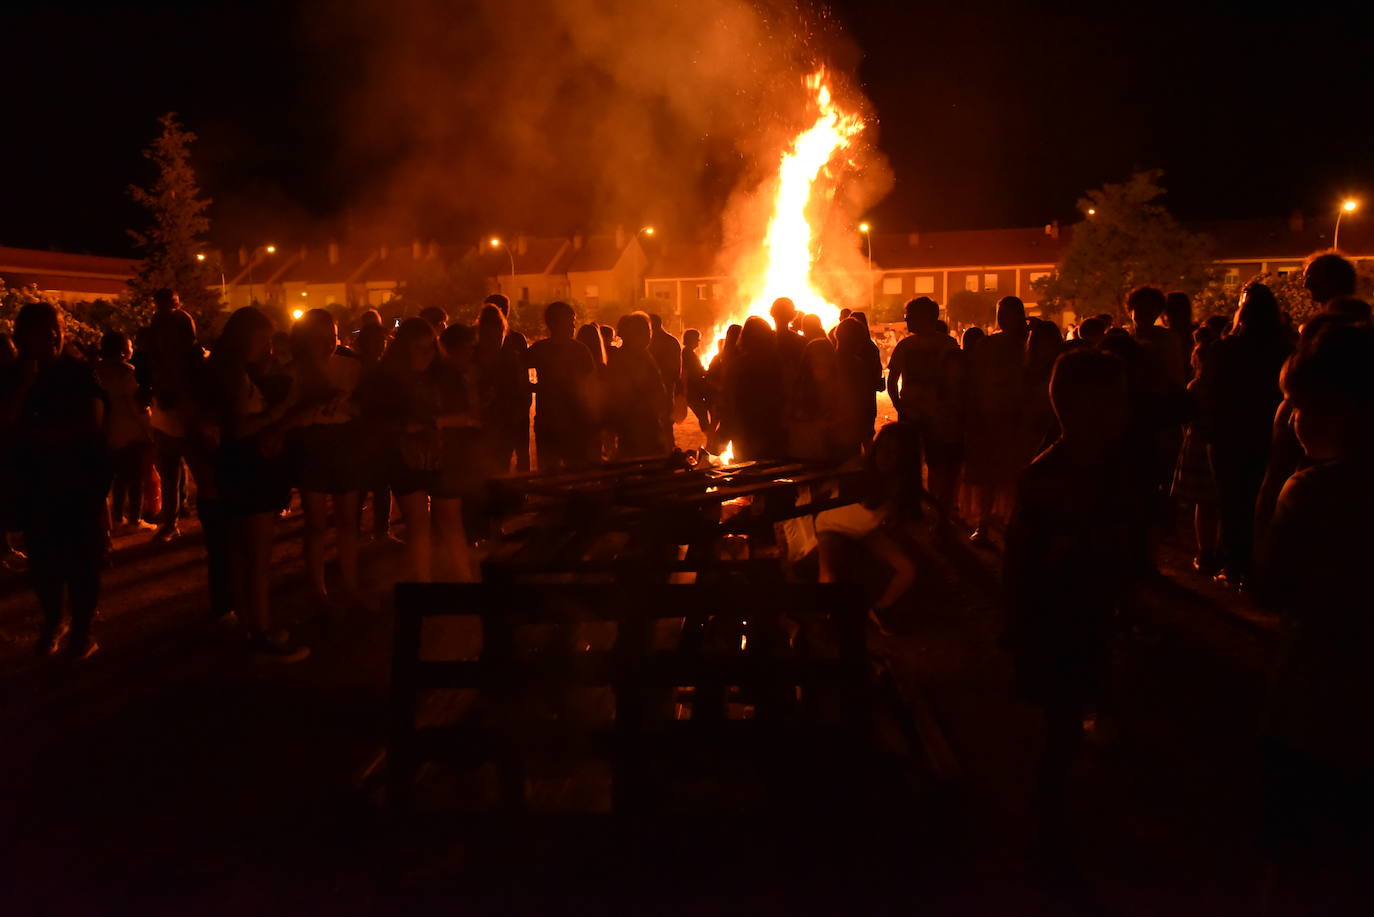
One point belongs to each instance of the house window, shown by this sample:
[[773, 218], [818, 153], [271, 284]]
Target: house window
[[592, 291], [892, 285], [1037, 276], [524, 294], [971, 283], [989, 283], [1232, 278], [925, 285], [701, 291]]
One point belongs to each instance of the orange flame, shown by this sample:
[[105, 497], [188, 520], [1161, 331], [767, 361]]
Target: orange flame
[[788, 244]]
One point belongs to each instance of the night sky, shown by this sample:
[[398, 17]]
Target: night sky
[[991, 114]]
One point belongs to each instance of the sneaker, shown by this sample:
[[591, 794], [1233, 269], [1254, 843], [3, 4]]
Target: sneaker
[[82, 648], [139, 526], [167, 533], [277, 647], [50, 641]]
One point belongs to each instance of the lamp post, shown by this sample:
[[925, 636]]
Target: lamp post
[[643, 231], [267, 249], [872, 290], [497, 243], [1347, 206]]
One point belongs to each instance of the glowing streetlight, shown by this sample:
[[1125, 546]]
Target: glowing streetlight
[[647, 230], [200, 256], [297, 313], [497, 243], [1092, 212], [872, 290], [271, 249], [1349, 205], [304, 293]]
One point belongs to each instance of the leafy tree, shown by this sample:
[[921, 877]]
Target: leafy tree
[[75, 324], [456, 287], [176, 226], [970, 307], [1216, 299], [1128, 239]]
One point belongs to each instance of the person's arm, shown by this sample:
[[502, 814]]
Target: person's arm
[[895, 365]]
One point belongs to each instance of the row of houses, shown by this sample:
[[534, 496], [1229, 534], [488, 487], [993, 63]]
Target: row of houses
[[683, 282]]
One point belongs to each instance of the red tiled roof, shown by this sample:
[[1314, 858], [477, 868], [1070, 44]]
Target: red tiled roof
[[537, 258], [598, 253], [35, 261], [315, 267], [684, 261], [102, 286], [1282, 240]]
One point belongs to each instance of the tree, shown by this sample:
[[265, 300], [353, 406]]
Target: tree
[[1128, 239], [970, 307], [176, 227], [1216, 299], [456, 287]]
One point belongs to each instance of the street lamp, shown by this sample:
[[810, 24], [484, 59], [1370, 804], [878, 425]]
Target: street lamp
[[1092, 212], [200, 256], [497, 243], [297, 313], [872, 290], [269, 249], [1349, 205]]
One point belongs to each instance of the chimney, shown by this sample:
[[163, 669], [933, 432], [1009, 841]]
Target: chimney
[[417, 251], [619, 238], [1295, 221], [333, 252], [913, 240], [243, 256], [577, 243], [522, 244]]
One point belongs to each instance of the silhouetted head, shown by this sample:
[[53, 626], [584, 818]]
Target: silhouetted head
[[115, 345], [1327, 276], [165, 300], [38, 332], [491, 326], [691, 339], [560, 319], [314, 336], [812, 327], [607, 336], [460, 344], [1145, 305], [590, 336], [1011, 315], [371, 342], [1088, 393], [1091, 331], [500, 301], [1178, 312], [756, 338], [436, 316], [413, 348], [246, 339], [783, 310], [1043, 344], [635, 331], [1258, 312], [851, 336], [655, 322], [844, 314], [731, 340], [973, 336], [860, 316], [921, 314], [1330, 384], [369, 319]]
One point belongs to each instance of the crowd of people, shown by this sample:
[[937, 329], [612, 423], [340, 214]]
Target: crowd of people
[[1075, 450]]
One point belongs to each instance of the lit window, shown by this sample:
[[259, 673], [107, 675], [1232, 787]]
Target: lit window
[[1037, 276], [989, 283], [701, 291], [592, 291], [971, 283], [892, 285], [925, 285], [1232, 278]]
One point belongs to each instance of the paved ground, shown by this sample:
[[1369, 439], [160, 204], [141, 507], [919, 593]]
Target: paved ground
[[171, 776]]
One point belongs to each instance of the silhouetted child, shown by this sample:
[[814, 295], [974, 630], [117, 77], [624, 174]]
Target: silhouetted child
[[1067, 561], [128, 431]]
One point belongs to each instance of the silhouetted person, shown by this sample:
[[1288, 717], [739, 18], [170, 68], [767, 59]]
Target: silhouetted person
[[437, 317], [754, 397], [637, 406], [460, 482], [563, 375], [598, 391], [1239, 394], [371, 344], [860, 378], [812, 329], [1044, 344], [169, 366], [667, 353], [128, 431], [789, 344], [56, 474], [607, 339], [844, 314], [1194, 483], [1178, 318], [1328, 276], [250, 470], [717, 374], [698, 390], [516, 425], [997, 450], [1067, 564], [1314, 570], [1092, 330], [925, 379]]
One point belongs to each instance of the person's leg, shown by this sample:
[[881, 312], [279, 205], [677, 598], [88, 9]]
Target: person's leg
[[346, 541], [219, 549], [419, 551], [119, 487], [316, 529], [138, 459], [1205, 531], [257, 556], [520, 438], [450, 516], [168, 463], [45, 576], [903, 568], [82, 559], [1063, 738]]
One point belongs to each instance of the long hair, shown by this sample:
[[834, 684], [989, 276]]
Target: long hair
[[397, 355], [1258, 312], [231, 350], [590, 336]]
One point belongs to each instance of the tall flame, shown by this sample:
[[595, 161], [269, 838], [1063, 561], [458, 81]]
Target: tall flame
[[788, 244]]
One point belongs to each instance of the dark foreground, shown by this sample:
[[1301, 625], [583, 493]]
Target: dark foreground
[[169, 775]]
